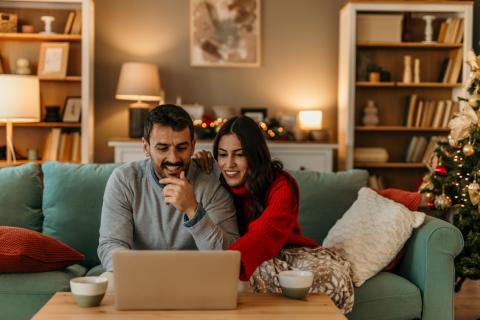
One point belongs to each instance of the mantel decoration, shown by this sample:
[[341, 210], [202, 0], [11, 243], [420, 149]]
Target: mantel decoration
[[225, 33], [452, 186]]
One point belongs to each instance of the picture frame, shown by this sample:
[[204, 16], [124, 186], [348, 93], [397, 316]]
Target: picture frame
[[225, 33], [257, 114], [53, 60], [72, 109]]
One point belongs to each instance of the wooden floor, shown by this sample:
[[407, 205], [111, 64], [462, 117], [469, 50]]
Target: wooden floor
[[467, 301]]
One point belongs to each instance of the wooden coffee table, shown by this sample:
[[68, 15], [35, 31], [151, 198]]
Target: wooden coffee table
[[250, 306]]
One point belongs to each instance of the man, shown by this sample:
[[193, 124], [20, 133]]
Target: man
[[165, 202]]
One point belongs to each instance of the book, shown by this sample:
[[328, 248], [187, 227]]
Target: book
[[438, 114], [61, 147], [69, 23], [75, 157], [411, 148], [419, 149], [1, 66], [456, 67], [412, 101], [77, 23], [449, 30], [448, 70], [460, 31], [441, 32], [54, 144], [46, 147], [419, 115], [428, 114], [447, 114], [442, 70]]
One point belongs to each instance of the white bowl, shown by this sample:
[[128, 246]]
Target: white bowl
[[295, 279]]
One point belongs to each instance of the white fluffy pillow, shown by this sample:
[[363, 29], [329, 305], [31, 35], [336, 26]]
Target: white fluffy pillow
[[372, 232]]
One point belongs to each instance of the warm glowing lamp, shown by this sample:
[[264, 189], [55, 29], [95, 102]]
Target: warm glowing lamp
[[19, 102], [138, 82], [310, 121]]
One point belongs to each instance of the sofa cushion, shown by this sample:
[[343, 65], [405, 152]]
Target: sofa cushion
[[372, 232], [387, 296], [72, 204], [21, 197], [324, 198], [23, 294], [23, 250]]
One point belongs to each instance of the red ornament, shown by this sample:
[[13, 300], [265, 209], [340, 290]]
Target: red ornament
[[431, 205], [440, 170], [207, 119]]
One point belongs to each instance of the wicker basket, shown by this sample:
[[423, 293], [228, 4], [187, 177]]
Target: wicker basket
[[8, 22]]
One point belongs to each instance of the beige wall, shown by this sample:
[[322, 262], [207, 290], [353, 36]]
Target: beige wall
[[299, 61]]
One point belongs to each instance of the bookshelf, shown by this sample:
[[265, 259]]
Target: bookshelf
[[79, 15], [399, 130]]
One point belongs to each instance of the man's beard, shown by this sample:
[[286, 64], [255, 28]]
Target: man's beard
[[166, 165]]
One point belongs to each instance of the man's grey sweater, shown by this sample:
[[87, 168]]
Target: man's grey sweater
[[135, 216]]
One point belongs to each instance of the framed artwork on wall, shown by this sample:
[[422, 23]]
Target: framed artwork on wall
[[72, 109], [225, 33], [52, 63]]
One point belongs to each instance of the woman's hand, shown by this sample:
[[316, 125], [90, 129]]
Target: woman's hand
[[204, 159]]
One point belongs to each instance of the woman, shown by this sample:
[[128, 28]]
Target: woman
[[267, 202]]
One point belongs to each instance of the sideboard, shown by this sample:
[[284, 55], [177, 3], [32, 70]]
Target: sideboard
[[294, 155]]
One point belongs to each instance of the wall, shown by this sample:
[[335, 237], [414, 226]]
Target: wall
[[299, 61]]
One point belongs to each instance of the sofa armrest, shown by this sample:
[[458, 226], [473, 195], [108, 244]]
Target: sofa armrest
[[96, 271], [429, 264]]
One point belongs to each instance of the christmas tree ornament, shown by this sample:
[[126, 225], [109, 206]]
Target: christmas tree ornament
[[431, 205], [468, 150], [474, 193], [426, 183], [462, 122], [440, 170], [443, 202], [428, 196]]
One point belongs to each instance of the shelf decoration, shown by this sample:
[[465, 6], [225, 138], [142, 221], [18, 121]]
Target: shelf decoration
[[455, 183]]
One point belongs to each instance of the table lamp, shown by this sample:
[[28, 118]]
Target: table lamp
[[310, 122], [138, 82], [19, 102]]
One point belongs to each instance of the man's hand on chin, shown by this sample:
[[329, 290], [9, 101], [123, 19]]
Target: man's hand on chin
[[179, 193]]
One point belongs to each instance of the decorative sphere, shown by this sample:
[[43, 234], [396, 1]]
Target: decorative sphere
[[440, 170], [428, 196], [468, 150], [443, 202]]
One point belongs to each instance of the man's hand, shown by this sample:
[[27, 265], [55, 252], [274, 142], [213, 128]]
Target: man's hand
[[179, 193]]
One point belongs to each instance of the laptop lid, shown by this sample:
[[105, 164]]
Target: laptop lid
[[157, 280]]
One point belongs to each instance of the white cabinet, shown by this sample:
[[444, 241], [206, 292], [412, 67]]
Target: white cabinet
[[295, 156]]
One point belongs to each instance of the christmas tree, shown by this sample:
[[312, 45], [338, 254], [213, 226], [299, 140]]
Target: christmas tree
[[452, 185]]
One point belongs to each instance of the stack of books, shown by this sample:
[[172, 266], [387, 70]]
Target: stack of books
[[62, 146], [421, 113], [74, 23], [421, 150], [451, 31]]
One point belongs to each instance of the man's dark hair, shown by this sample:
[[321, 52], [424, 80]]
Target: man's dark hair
[[168, 115]]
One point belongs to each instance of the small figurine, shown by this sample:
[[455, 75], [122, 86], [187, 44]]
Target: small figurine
[[370, 117], [428, 28], [407, 69], [48, 24], [22, 66], [416, 70]]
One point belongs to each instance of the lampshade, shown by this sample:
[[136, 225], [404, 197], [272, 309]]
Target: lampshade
[[139, 82], [19, 98], [310, 120]]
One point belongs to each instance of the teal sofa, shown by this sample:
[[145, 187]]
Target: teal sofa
[[64, 201]]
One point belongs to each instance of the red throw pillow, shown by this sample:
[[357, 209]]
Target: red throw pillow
[[411, 200], [24, 250]]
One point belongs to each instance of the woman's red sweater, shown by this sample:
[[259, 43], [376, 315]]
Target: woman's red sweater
[[276, 227]]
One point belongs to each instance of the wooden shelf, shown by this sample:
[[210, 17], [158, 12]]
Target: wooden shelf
[[389, 165], [45, 124], [399, 129], [419, 45], [40, 37], [66, 79], [367, 84]]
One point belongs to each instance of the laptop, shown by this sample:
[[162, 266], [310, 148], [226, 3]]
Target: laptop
[[175, 280]]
